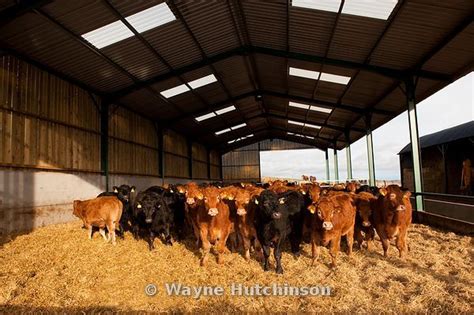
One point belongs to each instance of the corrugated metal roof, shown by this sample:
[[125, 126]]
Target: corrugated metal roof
[[213, 37], [463, 131]]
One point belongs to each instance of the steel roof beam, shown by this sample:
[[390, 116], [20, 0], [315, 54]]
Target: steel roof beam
[[245, 50], [23, 6], [99, 53]]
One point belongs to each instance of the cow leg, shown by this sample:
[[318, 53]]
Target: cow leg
[[401, 243], [350, 240], [359, 238], [222, 248], [246, 242], [314, 247], [136, 231], [151, 239], [121, 231], [102, 232], [335, 247], [89, 230], [384, 239], [266, 254], [111, 228], [258, 249], [206, 246], [277, 255], [369, 238]]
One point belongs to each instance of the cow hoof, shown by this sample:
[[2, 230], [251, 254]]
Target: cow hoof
[[203, 263]]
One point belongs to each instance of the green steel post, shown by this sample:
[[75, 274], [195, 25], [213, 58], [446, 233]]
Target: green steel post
[[370, 150], [415, 142], [328, 177]]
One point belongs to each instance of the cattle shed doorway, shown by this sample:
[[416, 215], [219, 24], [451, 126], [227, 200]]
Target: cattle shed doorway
[[244, 164]]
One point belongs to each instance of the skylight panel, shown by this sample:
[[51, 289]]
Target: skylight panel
[[238, 126], [295, 123], [225, 110], [325, 5], [232, 141], [308, 74], [206, 116], [320, 109], [141, 21], [380, 9], [223, 131], [175, 91], [334, 78], [377, 9], [108, 34], [298, 105], [152, 17], [202, 81], [312, 126]]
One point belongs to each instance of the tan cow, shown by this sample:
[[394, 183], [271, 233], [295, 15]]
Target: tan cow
[[392, 217], [101, 212]]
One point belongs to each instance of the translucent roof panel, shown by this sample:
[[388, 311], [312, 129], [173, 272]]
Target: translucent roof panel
[[175, 91], [225, 110], [206, 116], [202, 81], [108, 34], [152, 17]]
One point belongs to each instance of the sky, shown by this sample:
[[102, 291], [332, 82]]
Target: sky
[[449, 107]]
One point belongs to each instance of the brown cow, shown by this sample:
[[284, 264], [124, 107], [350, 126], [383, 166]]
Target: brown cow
[[215, 224], [335, 217], [194, 199], [246, 206], [101, 212], [364, 226], [392, 217]]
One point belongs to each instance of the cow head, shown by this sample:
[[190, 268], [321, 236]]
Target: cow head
[[124, 192], [270, 205], [148, 204], [76, 208], [193, 194], [325, 210], [242, 199], [363, 202], [394, 198], [211, 199]]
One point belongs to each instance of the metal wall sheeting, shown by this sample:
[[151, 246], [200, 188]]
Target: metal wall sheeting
[[133, 143], [45, 122], [48, 123]]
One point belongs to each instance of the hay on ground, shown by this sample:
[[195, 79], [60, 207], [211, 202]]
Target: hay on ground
[[57, 267]]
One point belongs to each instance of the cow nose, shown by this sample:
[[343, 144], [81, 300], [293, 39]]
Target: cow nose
[[276, 215], [241, 211], [148, 220], [213, 212], [327, 225], [401, 208], [366, 223], [190, 201]]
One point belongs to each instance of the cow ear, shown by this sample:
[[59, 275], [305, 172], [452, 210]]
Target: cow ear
[[133, 189], [282, 200], [383, 191], [115, 188], [407, 194], [256, 201], [242, 184]]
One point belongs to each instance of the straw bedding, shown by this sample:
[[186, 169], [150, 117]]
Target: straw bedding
[[58, 268]]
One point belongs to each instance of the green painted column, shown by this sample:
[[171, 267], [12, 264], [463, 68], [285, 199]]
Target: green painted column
[[336, 165], [415, 141], [370, 150], [328, 177], [348, 156]]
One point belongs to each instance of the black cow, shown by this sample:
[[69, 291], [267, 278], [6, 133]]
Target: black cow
[[370, 189], [279, 216], [126, 194], [154, 217], [176, 203]]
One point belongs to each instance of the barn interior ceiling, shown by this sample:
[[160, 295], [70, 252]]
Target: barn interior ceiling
[[230, 73]]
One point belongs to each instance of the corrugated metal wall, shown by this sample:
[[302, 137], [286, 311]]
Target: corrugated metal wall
[[176, 155], [48, 123], [42, 117], [243, 164], [133, 144]]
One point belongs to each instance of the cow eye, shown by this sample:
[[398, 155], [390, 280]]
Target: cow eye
[[319, 212]]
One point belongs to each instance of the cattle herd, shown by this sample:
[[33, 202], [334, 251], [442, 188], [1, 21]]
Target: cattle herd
[[254, 217]]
